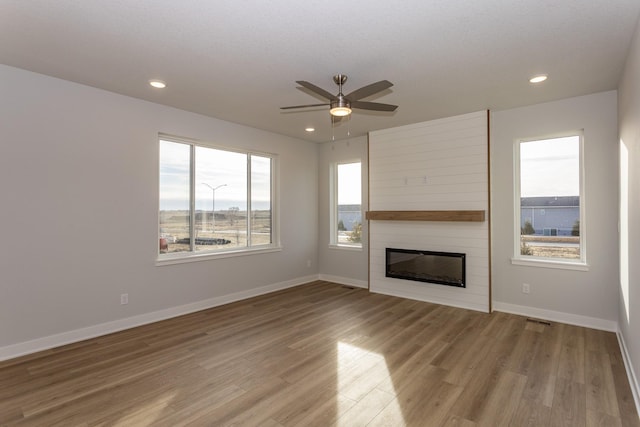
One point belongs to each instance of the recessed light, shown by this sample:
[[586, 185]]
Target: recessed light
[[309, 129], [538, 79], [158, 84]]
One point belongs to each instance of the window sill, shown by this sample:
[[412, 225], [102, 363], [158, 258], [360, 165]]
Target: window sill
[[551, 263], [186, 257], [346, 247]]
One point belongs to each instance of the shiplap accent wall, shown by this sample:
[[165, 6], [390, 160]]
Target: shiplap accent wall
[[436, 165]]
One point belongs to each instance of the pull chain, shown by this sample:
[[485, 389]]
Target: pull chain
[[333, 137]]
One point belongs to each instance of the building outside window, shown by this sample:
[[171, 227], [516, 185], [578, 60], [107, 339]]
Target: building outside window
[[214, 199]]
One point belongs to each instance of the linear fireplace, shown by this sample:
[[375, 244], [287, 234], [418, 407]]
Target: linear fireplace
[[444, 268]]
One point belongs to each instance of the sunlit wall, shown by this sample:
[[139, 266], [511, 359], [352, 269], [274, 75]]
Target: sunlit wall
[[629, 132]]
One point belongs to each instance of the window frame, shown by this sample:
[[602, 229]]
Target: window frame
[[550, 262], [333, 206], [193, 255]]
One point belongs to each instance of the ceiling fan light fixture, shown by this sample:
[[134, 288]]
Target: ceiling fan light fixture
[[340, 107], [340, 111]]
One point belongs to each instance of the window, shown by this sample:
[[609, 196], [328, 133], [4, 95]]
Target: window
[[549, 200], [214, 200], [346, 205]]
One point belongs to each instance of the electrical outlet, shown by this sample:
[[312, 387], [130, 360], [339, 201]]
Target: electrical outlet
[[525, 288], [308, 263], [124, 299]]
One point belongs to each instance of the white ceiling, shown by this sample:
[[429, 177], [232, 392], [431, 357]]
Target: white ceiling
[[239, 60]]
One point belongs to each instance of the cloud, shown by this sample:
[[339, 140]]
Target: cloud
[[550, 167], [224, 170]]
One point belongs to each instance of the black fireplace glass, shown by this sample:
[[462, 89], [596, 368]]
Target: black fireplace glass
[[444, 268]]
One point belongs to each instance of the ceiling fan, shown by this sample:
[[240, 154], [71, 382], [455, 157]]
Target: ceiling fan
[[340, 105]]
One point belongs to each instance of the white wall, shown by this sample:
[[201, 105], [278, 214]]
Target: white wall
[[79, 191], [629, 129], [435, 165], [346, 266], [583, 297]]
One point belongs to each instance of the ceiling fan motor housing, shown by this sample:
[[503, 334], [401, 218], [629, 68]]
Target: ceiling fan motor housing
[[340, 79]]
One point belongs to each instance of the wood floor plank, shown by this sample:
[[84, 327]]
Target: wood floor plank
[[456, 421], [463, 362], [569, 404], [480, 386], [402, 375], [503, 402], [598, 419], [247, 404], [430, 408], [542, 374], [390, 416], [521, 359], [531, 414], [601, 392], [366, 409], [572, 364], [323, 354], [419, 405]]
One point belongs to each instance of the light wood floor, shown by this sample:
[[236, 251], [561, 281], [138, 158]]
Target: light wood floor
[[324, 354]]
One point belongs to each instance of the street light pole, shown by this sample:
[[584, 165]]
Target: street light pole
[[213, 204]]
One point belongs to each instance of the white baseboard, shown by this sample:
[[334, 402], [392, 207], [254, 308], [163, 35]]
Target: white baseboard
[[557, 316], [57, 340], [631, 373], [344, 281]]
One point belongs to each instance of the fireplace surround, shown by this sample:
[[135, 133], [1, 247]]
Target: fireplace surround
[[428, 190]]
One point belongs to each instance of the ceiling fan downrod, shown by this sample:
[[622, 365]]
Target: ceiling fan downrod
[[340, 106]]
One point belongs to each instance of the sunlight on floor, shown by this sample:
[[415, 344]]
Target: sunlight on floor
[[147, 415], [366, 388]]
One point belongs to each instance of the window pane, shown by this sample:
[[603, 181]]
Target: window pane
[[550, 198], [174, 197], [260, 201], [220, 199], [349, 212], [214, 200]]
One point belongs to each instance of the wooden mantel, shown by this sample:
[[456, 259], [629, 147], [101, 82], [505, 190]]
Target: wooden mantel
[[457, 215]]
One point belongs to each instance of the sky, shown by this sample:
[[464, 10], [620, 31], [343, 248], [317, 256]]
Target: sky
[[226, 172], [223, 170], [349, 184], [547, 168], [550, 167]]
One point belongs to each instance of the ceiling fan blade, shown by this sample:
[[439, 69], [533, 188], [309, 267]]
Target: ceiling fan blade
[[376, 106], [303, 106], [315, 89], [368, 90]]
